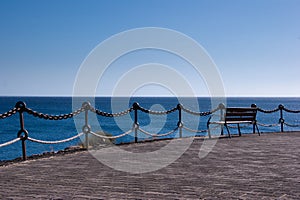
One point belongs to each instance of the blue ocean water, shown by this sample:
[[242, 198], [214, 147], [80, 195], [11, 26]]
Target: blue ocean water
[[50, 130]]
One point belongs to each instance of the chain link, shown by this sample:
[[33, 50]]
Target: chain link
[[9, 113], [268, 111], [291, 125], [158, 135], [193, 130], [157, 112], [267, 125], [10, 142], [111, 137], [196, 113], [291, 111], [106, 114], [236, 127], [54, 142], [53, 117]]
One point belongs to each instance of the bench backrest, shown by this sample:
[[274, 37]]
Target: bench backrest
[[240, 114]]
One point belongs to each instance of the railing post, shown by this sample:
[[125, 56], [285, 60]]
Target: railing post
[[22, 133], [136, 123], [179, 124], [254, 125], [222, 109], [86, 128], [281, 120]]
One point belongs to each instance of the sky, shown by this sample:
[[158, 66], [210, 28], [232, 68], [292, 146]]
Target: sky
[[255, 44]]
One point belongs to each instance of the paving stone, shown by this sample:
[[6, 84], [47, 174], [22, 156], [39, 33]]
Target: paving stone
[[247, 167]]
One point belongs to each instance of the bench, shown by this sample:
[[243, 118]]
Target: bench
[[236, 116]]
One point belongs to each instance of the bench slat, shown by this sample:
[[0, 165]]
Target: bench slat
[[236, 119], [241, 109], [232, 122], [241, 114]]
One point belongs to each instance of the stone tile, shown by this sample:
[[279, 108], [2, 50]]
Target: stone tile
[[247, 167]]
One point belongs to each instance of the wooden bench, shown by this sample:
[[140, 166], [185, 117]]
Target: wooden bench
[[236, 116]]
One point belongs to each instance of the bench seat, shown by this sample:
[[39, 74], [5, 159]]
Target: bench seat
[[237, 116], [231, 122]]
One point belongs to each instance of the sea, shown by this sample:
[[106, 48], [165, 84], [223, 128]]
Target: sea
[[55, 130]]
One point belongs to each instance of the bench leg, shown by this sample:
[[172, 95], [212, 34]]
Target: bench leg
[[208, 131], [239, 130], [255, 126], [227, 130], [257, 129]]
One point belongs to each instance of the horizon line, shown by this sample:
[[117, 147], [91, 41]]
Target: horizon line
[[154, 96]]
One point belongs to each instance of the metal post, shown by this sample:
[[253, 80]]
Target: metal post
[[86, 128], [207, 125], [281, 120], [179, 124], [22, 133], [254, 125], [222, 118], [136, 123], [86, 134]]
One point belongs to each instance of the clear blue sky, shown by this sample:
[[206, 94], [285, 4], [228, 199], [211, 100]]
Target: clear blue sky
[[254, 43]]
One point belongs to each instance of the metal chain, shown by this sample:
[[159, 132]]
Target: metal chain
[[54, 142], [196, 113], [267, 125], [157, 112], [111, 137], [158, 135], [268, 111], [9, 113], [229, 126], [291, 125], [291, 111], [10, 142], [106, 114], [215, 110], [193, 130], [53, 117]]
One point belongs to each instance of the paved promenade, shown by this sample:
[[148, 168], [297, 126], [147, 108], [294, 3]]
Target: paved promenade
[[247, 167]]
